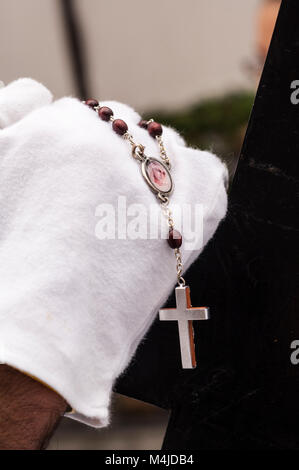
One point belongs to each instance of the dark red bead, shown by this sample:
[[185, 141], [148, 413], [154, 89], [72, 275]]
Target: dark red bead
[[105, 113], [119, 126], [143, 124], [175, 239], [92, 103], [154, 129]]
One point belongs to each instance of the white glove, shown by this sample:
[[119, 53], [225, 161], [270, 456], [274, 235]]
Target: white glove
[[73, 307]]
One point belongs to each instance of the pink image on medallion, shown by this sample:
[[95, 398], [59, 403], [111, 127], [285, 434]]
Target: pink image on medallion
[[159, 176]]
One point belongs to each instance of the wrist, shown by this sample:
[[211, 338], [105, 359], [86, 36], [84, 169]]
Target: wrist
[[29, 411]]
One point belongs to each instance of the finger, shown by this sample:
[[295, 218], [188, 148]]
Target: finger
[[21, 97]]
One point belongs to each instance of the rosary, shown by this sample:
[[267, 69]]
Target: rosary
[[157, 175]]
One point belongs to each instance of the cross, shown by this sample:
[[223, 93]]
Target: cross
[[184, 314]]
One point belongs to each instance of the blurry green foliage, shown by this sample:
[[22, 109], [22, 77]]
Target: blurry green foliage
[[217, 124]]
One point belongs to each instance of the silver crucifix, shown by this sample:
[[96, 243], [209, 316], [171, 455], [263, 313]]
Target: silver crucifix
[[184, 314]]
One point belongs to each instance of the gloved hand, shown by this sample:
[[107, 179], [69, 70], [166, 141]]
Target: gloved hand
[[73, 305]]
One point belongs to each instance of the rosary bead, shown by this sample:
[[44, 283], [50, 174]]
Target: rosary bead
[[92, 103], [142, 123], [174, 239], [119, 126], [154, 129], [105, 113]]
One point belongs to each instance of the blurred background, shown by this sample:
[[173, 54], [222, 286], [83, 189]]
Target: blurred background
[[194, 65]]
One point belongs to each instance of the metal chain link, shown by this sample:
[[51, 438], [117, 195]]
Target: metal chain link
[[138, 154], [179, 267], [163, 153], [167, 213], [178, 255], [129, 138]]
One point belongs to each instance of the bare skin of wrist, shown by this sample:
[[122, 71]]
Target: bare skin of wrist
[[29, 411]]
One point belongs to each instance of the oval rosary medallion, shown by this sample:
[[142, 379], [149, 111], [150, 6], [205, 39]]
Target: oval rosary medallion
[[157, 176]]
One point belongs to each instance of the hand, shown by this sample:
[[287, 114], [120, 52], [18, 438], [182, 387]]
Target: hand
[[74, 306], [29, 411]]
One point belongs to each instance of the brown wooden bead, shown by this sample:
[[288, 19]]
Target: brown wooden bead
[[119, 126], [143, 123], [92, 103], [105, 113], [154, 129], [175, 239]]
